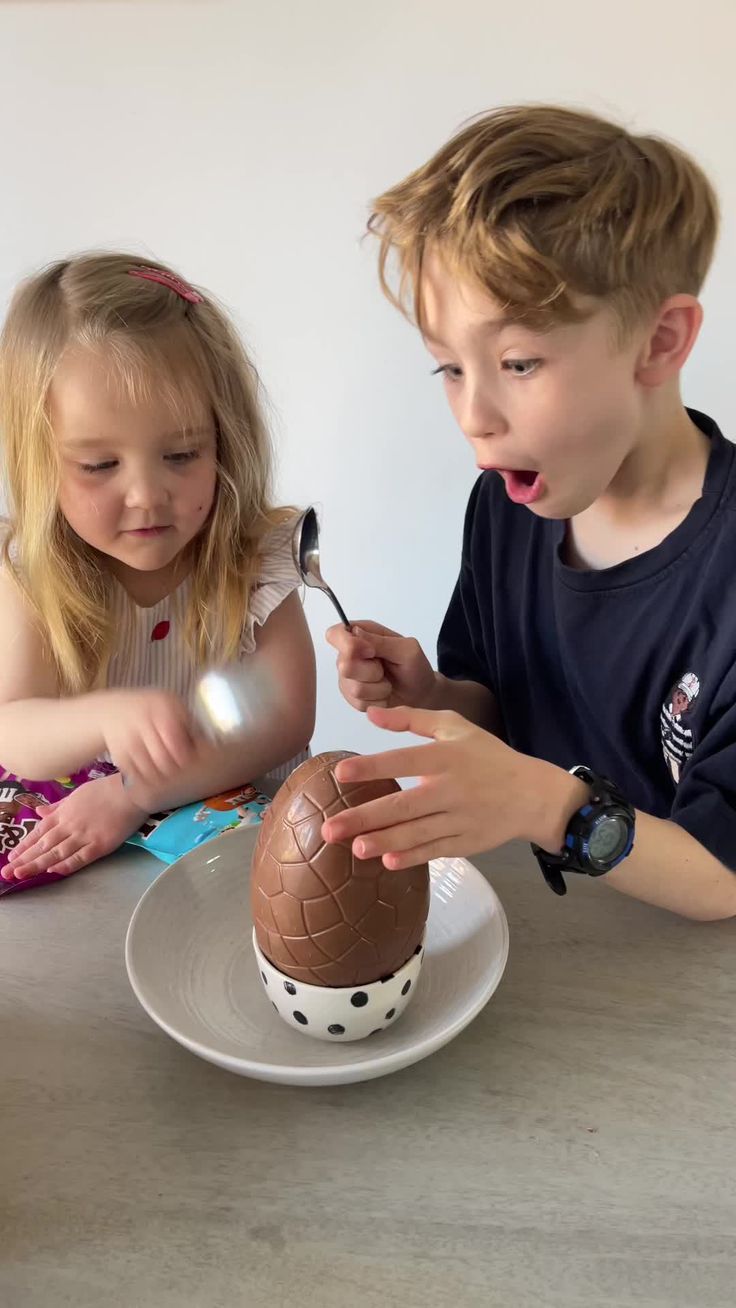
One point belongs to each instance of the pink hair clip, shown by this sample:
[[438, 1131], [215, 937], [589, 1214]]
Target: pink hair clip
[[170, 281]]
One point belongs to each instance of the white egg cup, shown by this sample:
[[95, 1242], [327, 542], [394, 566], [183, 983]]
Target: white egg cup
[[340, 1013]]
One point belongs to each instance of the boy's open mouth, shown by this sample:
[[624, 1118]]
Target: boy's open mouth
[[523, 486]]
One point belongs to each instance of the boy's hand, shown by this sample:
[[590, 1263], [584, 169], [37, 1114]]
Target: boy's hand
[[83, 826], [148, 734], [377, 666], [474, 794]]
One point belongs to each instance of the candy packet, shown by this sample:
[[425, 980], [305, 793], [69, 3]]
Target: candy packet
[[169, 835], [22, 803], [166, 835]]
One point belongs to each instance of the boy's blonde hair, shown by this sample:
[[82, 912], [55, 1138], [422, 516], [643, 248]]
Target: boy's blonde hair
[[541, 205], [152, 338]]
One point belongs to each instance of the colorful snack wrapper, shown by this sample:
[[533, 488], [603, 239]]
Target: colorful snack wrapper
[[165, 835], [169, 835], [21, 806]]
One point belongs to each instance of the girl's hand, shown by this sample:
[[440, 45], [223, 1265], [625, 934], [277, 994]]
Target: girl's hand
[[148, 734], [83, 826], [474, 793]]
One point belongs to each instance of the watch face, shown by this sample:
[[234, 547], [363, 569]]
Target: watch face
[[608, 839]]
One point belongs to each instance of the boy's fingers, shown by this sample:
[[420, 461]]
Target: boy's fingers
[[371, 629], [443, 847], [390, 811], [416, 761], [363, 670], [407, 836], [349, 645], [367, 695], [433, 724], [391, 648]]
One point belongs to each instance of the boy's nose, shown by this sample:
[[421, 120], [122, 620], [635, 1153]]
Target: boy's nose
[[480, 418]]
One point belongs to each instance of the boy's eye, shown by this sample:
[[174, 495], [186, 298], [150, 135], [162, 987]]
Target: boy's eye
[[521, 367], [449, 371]]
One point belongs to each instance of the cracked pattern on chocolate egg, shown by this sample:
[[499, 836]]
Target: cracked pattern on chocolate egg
[[321, 915]]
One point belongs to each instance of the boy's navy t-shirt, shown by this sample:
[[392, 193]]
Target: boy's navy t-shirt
[[630, 670]]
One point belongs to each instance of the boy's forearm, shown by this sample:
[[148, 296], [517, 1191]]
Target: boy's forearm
[[43, 738], [472, 701], [667, 866], [670, 868]]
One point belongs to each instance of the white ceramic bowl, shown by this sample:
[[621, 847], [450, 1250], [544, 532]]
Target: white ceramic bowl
[[191, 964], [340, 1012]]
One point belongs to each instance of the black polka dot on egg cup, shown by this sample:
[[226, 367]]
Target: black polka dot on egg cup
[[339, 1014]]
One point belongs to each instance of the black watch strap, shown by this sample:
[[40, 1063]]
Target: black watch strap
[[605, 799], [550, 870]]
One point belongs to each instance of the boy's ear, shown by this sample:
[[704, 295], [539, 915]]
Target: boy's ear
[[672, 335]]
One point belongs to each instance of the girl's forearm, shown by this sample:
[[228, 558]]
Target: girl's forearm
[[42, 738]]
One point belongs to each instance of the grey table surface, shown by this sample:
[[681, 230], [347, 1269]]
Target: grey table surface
[[576, 1145]]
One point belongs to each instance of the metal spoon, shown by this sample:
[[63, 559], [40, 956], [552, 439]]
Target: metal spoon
[[305, 547], [228, 702], [232, 700]]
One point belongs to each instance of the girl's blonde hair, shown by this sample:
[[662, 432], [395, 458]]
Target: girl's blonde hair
[[152, 337]]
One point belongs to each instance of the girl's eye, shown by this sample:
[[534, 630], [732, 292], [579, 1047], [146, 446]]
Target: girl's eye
[[182, 456], [521, 367], [449, 371], [99, 467], [105, 465]]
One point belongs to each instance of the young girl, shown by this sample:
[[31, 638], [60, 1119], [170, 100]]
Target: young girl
[[142, 546]]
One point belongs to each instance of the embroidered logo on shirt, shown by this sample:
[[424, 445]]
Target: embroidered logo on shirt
[[161, 630], [677, 737]]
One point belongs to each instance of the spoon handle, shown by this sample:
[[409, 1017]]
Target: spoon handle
[[338, 606]]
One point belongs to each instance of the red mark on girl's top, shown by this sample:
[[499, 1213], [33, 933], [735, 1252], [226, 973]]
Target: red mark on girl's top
[[161, 631]]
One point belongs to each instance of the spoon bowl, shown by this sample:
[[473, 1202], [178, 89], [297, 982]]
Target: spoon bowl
[[306, 557]]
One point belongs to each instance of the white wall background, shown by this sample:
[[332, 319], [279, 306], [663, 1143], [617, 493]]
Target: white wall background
[[242, 139]]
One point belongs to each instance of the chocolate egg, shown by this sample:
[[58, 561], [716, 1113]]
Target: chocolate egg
[[321, 915]]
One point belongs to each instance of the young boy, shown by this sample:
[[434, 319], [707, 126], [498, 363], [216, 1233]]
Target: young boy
[[552, 262]]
